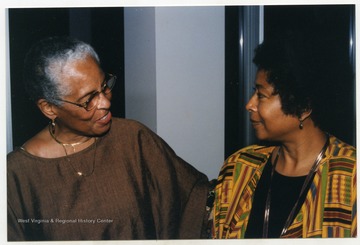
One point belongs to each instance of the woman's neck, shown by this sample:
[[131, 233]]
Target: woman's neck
[[298, 156]]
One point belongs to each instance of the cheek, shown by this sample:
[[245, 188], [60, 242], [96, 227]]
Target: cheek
[[82, 117], [270, 111], [273, 117]]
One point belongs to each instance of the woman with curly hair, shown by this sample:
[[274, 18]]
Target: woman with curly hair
[[302, 181]]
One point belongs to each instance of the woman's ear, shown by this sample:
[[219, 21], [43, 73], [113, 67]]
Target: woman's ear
[[47, 109], [306, 114]]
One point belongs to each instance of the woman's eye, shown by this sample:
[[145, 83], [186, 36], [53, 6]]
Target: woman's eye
[[256, 92], [91, 97]]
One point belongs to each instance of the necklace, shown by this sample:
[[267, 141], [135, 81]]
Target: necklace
[[64, 145], [67, 144], [305, 187]]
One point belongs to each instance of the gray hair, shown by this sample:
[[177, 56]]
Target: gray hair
[[44, 62]]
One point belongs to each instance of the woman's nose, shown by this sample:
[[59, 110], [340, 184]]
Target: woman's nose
[[252, 103], [104, 100]]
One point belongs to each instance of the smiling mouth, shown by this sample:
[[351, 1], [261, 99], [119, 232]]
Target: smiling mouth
[[105, 118], [254, 122]]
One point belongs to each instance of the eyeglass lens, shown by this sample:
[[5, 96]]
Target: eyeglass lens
[[94, 99]]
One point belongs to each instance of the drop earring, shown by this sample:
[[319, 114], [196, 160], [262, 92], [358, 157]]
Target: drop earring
[[301, 125], [53, 126]]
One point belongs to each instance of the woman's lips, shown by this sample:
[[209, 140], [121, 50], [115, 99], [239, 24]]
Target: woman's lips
[[105, 119], [255, 122]]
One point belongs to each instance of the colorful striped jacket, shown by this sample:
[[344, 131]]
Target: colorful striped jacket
[[329, 209]]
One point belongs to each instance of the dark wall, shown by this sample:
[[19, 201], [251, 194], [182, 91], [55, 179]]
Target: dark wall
[[234, 105], [101, 27], [334, 24]]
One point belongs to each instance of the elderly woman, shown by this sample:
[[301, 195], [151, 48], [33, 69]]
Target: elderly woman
[[302, 181], [88, 176]]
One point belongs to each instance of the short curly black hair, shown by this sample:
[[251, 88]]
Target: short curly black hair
[[304, 72]]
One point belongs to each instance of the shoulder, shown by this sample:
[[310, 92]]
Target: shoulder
[[19, 161], [15, 154], [253, 155], [341, 157], [130, 131], [338, 148], [128, 126]]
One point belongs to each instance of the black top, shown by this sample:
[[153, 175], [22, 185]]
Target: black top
[[284, 194]]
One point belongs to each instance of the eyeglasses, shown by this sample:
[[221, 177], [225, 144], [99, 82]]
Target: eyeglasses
[[93, 100]]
